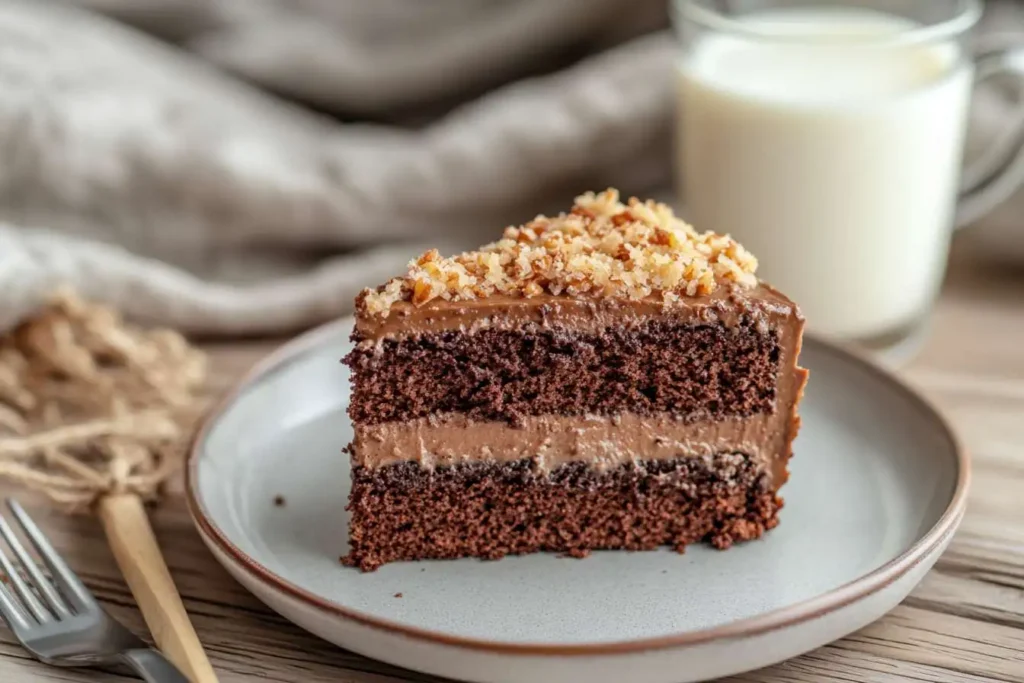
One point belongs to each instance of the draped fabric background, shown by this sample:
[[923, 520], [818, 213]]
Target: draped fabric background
[[246, 166]]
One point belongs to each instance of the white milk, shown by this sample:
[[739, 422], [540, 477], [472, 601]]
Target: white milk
[[836, 164]]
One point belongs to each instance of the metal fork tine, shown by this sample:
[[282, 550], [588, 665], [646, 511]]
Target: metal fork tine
[[68, 581], [41, 583], [12, 612], [28, 598]]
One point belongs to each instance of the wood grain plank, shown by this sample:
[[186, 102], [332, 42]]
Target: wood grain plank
[[839, 664], [946, 641], [970, 596]]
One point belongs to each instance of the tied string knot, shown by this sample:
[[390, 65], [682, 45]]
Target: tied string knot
[[90, 406]]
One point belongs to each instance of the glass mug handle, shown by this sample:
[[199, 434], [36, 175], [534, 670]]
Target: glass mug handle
[[999, 172]]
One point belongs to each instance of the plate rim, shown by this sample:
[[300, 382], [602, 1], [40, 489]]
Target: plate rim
[[784, 617]]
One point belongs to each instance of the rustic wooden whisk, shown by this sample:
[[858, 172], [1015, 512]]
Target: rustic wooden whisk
[[94, 414]]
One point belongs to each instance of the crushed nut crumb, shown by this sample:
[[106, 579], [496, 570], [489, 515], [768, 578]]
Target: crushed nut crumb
[[601, 248], [279, 501], [398, 595]]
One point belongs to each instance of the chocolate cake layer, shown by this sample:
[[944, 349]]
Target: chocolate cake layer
[[405, 512], [658, 365]]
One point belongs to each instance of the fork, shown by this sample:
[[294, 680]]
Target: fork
[[70, 629]]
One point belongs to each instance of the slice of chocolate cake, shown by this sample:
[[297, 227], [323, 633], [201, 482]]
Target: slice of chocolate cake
[[608, 378]]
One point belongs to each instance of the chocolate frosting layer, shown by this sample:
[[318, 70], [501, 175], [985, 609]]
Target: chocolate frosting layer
[[550, 441], [727, 305]]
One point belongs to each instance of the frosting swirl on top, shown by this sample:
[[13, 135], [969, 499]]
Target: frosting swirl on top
[[601, 248]]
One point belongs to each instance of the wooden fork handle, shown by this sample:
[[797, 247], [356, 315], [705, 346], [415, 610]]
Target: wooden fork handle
[[138, 555]]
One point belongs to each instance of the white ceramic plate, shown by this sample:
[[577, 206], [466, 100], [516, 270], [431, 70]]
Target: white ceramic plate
[[878, 487]]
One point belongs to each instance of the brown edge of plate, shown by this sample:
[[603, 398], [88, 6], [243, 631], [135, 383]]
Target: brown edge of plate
[[807, 610]]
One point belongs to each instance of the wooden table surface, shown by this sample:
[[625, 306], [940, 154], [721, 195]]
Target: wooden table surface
[[965, 622]]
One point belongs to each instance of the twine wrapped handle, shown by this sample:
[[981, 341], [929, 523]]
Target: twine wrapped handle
[[94, 415]]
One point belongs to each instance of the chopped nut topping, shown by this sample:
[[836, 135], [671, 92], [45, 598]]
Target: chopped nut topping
[[601, 248]]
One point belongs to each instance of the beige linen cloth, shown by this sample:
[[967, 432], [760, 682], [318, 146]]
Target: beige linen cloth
[[247, 166]]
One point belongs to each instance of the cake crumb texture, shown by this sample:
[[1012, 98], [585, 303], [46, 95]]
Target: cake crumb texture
[[404, 512], [659, 366], [601, 248]]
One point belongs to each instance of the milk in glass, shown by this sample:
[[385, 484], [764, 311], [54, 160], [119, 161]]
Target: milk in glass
[[834, 159]]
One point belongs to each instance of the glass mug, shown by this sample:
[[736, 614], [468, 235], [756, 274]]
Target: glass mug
[[828, 137]]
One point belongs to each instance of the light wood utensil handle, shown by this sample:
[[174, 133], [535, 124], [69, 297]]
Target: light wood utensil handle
[[138, 555]]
